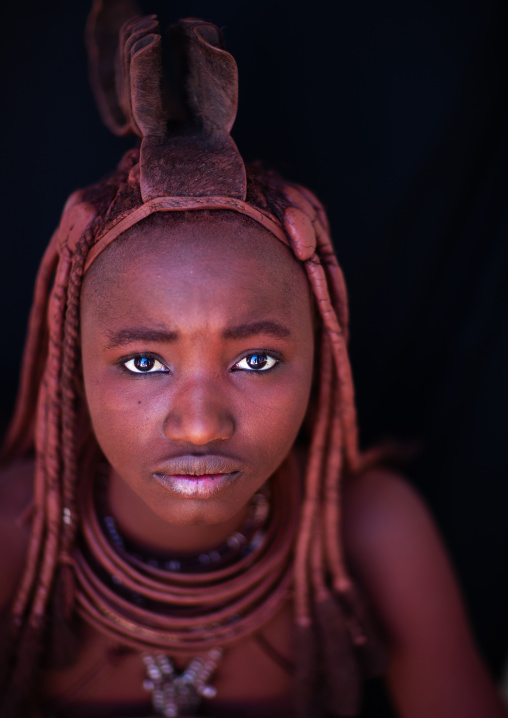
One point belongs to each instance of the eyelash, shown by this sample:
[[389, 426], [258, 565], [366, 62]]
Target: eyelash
[[271, 356], [123, 364]]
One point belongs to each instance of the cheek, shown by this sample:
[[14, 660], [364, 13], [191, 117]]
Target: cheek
[[272, 421], [121, 419]]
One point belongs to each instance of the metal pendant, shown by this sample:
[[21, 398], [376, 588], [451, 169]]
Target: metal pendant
[[179, 694]]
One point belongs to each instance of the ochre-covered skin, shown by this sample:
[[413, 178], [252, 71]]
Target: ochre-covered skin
[[188, 263]]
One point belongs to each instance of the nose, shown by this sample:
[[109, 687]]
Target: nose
[[198, 414]]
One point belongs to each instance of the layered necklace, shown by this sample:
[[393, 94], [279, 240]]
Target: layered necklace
[[195, 606]]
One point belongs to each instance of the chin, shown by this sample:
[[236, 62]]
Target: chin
[[195, 512]]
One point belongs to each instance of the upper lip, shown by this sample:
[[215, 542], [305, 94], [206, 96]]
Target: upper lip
[[198, 465]]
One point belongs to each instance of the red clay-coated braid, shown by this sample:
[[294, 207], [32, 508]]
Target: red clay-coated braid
[[70, 365], [317, 279], [53, 439], [313, 491]]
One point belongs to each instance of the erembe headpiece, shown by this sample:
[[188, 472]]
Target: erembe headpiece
[[178, 94]]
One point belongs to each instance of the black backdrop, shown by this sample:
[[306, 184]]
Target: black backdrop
[[395, 113]]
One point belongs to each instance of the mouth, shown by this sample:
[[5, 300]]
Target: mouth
[[198, 477]]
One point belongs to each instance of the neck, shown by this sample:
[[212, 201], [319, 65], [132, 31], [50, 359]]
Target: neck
[[141, 526]]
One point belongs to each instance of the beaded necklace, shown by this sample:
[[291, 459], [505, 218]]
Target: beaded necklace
[[193, 606], [240, 543]]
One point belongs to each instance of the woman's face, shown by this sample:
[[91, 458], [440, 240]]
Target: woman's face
[[197, 347]]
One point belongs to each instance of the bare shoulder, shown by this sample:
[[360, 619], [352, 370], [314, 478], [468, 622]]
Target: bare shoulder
[[382, 510], [396, 550], [396, 553], [376, 495], [16, 492]]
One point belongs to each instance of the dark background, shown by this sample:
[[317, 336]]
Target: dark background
[[395, 114]]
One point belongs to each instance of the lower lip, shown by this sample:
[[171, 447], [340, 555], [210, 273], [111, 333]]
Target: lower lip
[[204, 486]]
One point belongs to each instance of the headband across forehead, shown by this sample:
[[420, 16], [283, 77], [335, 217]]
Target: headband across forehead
[[175, 204]]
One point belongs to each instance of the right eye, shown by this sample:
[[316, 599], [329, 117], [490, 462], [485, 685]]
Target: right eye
[[143, 364]]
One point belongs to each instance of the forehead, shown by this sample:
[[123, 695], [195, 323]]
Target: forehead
[[221, 253]]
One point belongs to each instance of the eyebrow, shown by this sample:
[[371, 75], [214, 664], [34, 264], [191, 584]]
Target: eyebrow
[[241, 331], [125, 336]]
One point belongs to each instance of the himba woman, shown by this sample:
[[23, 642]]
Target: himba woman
[[188, 526]]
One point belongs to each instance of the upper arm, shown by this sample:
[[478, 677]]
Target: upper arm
[[396, 552], [15, 500]]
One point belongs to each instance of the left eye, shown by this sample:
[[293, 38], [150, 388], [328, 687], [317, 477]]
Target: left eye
[[144, 365], [256, 362]]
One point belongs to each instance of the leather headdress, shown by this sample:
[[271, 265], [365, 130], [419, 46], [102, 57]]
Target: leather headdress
[[181, 101], [180, 98]]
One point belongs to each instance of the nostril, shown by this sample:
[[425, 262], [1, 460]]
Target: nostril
[[199, 427]]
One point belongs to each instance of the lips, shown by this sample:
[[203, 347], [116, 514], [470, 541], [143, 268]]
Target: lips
[[199, 477]]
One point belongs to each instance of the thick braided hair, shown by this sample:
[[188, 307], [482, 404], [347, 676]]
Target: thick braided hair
[[332, 627]]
